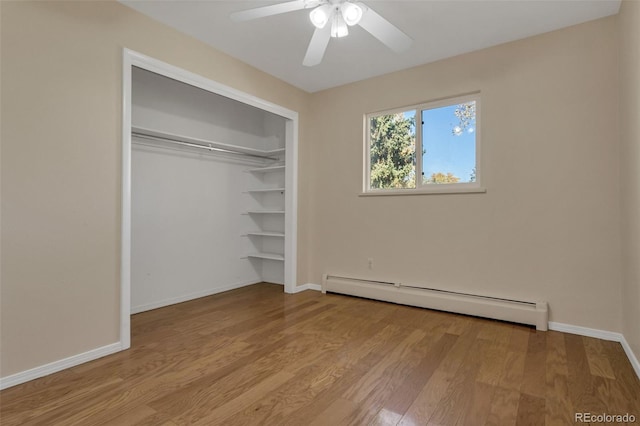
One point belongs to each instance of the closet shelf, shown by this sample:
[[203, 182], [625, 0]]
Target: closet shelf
[[270, 256], [266, 190], [156, 135], [266, 169], [265, 212], [266, 234]]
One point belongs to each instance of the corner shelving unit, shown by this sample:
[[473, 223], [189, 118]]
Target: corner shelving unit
[[266, 209]]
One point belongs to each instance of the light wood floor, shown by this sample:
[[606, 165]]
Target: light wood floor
[[257, 356]]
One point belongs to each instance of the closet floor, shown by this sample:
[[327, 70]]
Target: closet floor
[[258, 356]]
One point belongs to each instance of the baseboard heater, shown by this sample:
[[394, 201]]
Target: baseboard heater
[[532, 313]]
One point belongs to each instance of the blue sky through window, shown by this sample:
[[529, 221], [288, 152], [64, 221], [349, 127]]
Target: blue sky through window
[[446, 152]]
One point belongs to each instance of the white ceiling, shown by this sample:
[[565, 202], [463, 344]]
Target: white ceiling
[[440, 29]]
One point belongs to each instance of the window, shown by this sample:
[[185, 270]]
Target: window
[[428, 148]]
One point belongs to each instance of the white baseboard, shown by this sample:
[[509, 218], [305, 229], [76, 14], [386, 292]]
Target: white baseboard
[[585, 331], [600, 334], [54, 367], [187, 297], [633, 359], [308, 286]]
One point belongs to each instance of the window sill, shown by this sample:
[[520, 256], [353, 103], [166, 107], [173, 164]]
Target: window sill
[[440, 190]]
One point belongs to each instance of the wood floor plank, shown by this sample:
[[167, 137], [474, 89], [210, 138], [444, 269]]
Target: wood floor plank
[[428, 401], [458, 398], [271, 361], [493, 354], [504, 407], [35, 398], [258, 356], [372, 350], [519, 338], [141, 389], [386, 378], [513, 365], [558, 407], [335, 413], [228, 409], [534, 375], [311, 381], [531, 410], [597, 359], [478, 406], [512, 373], [225, 382], [140, 415], [386, 417], [403, 396], [580, 381], [612, 395], [377, 378], [626, 379]]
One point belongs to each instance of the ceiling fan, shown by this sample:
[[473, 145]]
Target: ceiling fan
[[332, 18]]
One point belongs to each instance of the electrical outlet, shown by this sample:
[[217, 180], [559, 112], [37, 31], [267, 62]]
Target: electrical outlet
[[370, 262]]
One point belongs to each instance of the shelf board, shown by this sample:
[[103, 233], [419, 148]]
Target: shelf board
[[267, 234], [266, 169], [266, 190], [265, 212], [270, 256]]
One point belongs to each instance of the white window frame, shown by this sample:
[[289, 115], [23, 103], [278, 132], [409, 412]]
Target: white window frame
[[422, 188]]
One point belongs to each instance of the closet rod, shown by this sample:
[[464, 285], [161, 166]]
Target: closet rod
[[197, 145]]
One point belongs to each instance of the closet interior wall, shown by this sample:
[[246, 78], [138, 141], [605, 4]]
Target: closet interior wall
[[202, 221]]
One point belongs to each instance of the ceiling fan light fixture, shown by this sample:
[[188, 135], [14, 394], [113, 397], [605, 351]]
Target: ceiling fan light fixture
[[339, 26], [351, 13], [332, 18], [320, 15]]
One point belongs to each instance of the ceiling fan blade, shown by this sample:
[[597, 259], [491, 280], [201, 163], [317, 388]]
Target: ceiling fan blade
[[317, 46], [274, 9], [384, 30]]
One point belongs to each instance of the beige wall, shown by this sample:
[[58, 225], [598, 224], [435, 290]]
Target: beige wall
[[630, 169], [61, 150], [548, 226]]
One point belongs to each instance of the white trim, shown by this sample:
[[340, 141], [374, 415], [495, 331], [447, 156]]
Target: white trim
[[600, 334], [190, 296], [307, 286], [159, 67], [419, 157], [291, 206], [125, 232], [54, 367], [635, 363], [585, 331], [132, 58], [435, 190]]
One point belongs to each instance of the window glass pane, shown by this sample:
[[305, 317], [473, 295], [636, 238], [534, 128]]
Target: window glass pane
[[449, 144], [393, 150]]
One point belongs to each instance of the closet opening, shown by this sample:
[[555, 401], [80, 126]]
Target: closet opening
[[209, 189]]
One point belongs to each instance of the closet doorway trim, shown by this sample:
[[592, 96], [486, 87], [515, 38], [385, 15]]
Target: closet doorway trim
[[131, 59]]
